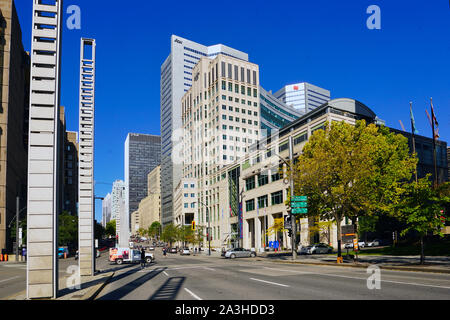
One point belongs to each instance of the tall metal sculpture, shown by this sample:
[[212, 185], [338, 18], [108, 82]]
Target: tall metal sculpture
[[43, 166], [86, 166]]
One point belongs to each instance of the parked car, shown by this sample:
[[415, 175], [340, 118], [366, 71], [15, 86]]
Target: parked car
[[361, 244], [374, 243], [316, 249], [185, 252], [239, 253], [172, 250], [61, 252], [151, 248], [121, 255]]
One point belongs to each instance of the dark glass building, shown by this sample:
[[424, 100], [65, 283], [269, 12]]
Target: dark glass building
[[142, 155]]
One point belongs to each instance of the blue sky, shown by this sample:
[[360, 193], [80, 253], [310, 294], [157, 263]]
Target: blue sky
[[322, 42]]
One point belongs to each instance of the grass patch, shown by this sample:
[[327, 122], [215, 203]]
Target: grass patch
[[441, 248]]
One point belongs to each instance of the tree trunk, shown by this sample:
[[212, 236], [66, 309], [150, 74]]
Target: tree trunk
[[422, 253], [339, 236]]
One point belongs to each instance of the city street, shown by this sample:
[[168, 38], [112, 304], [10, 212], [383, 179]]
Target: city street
[[214, 278]]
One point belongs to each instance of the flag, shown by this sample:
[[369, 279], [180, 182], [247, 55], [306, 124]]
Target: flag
[[433, 118], [413, 122]]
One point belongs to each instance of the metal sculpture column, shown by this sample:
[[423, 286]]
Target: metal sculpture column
[[86, 200], [42, 215]]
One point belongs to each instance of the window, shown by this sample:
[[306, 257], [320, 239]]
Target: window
[[230, 108], [224, 85], [277, 197], [263, 179], [230, 118], [249, 92], [186, 195], [186, 205], [230, 87], [192, 195], [230, 99], [243, 111], [224, 117], [237, 109], [192, 186], [224, 137], [262, 202], [224, 107], [193, 205], [250, 205], [223, 97], [224, 127], [242, 89], [250, 183], [185, 185]]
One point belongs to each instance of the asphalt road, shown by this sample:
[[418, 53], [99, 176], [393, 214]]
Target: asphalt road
[[213, 278], [13, 276]]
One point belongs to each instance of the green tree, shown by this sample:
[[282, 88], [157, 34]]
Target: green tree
[[170, 234], [155, 230], [351, 171], [68, 229], [111, 228], [420, 208], [185, 234]]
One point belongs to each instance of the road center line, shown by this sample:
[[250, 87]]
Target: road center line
[[274, 283], [208, 269], [9, 279], [193, 294]]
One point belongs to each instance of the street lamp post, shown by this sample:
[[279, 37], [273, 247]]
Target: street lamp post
[[291, 180], [209, 227]]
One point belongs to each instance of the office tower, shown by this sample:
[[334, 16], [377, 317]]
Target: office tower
[[176, 79], [117, 202], [86, 195], [14, 97], [304, 96], [106, 209], [221, 116], [43, 166], [142, 155], [71, 173], [275, 114], [150, 207]]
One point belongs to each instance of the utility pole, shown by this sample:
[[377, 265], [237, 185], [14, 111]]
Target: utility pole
[[294, 225], [209, 231], [17, 228]]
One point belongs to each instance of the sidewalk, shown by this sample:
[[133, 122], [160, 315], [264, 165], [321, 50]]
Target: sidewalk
[[404, 263], [89, 288]]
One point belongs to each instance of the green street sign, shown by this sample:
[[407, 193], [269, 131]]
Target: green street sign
[[299, 210], [300, 199], [299, 205]]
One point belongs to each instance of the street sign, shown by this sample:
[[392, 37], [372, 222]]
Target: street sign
[[287, 223], [300, 199], [299, 210], [299, 205]]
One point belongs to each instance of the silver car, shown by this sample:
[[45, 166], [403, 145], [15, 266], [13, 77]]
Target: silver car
[[316, 248], [239, 253]]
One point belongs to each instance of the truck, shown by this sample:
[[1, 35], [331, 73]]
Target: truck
[[121, 255]]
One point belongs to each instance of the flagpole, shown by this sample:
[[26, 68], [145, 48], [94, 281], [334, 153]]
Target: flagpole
[[413, 129], [433, 119]]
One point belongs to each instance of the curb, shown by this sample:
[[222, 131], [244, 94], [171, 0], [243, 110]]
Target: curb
[[95, 290], [410, 269]]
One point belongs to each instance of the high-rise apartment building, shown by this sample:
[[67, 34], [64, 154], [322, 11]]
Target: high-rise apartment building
[[150, 207], [106, 209], [117, 202], [142, 155], [176, 79], [14, 98], [304, 96]]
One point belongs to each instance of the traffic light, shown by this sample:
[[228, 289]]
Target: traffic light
[[193, 225]]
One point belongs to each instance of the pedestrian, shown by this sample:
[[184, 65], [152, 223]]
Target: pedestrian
[[142, 258], [164, 252]]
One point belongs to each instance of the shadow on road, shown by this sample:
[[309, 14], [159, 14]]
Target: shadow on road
[[130, 286], [169, 290]]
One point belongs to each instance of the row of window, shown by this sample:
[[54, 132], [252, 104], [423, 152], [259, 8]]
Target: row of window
[[262, 202], [238, 129], [236, 89], [263, 179], [236, 109], [237, 119], [236, 73], [224, 97]]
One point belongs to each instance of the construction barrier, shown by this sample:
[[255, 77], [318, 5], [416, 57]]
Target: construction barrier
[[340, 260], [1, 257], [5, 257]]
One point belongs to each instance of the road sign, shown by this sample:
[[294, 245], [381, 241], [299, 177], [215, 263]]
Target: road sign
[[300, 199], [287, 223], [299, 205], [299, 210]]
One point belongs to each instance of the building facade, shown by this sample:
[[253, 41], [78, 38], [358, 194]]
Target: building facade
[[106, 209], [142, 155], [71, 173], [14, 97], [304, 96], [176, 79], [186, 202], [117, 202]]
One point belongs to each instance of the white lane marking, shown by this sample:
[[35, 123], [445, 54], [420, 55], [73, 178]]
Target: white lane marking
[[288, 270], [208, 269], [166, 273], [9, 279], [193, 294], [274, 283]]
